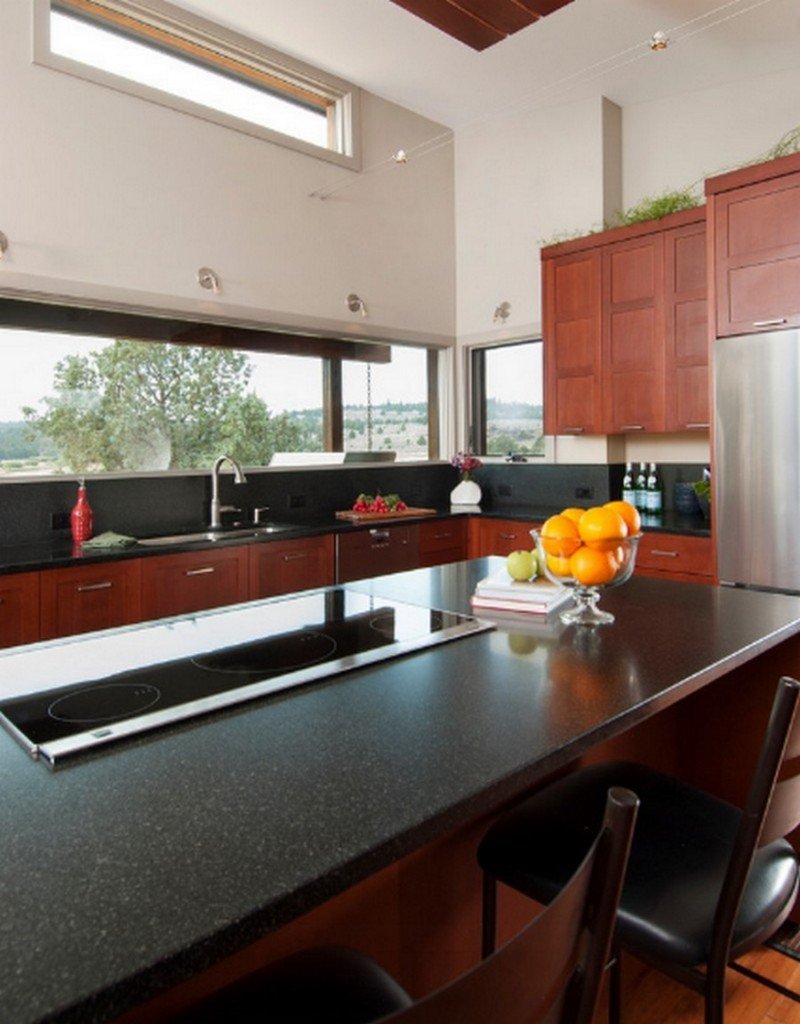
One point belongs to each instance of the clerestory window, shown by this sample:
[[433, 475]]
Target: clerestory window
[[164, 54]]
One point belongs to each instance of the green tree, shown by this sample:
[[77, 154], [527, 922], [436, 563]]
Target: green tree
[[140, 405]]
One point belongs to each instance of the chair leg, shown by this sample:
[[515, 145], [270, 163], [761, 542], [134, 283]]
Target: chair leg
[[715, 997], [615, 985], [489, 926]]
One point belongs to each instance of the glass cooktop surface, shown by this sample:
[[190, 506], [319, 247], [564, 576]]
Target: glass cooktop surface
[[64, 697]]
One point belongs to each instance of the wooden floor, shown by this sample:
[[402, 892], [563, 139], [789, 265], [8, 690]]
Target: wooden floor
[[652, 998]]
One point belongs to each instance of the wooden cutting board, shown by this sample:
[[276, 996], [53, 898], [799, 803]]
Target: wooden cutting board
[[373, 517]]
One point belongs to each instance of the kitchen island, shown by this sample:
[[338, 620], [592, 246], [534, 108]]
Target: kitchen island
[[130, 871]]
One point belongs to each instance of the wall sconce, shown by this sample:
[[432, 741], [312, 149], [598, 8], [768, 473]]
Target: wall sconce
[[3, 245], [356, 304], [502, 313], [206, 278], [659, 41]]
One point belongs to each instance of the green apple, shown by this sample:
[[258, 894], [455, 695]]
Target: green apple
[[522, 565]]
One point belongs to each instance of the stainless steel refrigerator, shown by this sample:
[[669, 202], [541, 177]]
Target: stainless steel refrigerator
[[756, 483]]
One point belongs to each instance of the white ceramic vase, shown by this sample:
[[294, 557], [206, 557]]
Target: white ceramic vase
[[468, 492]]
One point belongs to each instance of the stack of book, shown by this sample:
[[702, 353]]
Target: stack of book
[[528, 597]]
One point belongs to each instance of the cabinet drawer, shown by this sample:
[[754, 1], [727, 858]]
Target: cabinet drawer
[[502, 536], [19, 609], [378, 550], [82, 598], [675, 555], [193, 581], [283, 566], [442, 541]]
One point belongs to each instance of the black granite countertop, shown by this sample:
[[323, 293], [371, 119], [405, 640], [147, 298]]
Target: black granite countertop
[[126, 873], [62, 553]]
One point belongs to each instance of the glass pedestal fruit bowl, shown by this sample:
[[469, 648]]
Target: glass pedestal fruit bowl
[[587, 568]]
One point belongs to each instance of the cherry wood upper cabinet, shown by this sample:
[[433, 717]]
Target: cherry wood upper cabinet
[[191, 581], [82, 598], [754, 218], [283, 566], [625, 338], [572, 350], [19, 609]]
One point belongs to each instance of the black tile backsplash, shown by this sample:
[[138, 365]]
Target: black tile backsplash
[[171, 504]]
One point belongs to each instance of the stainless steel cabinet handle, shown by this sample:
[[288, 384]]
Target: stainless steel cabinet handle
[[770, 323], [697, 426], [295, 557], [379, 534], [94, 586], [664, 554], [573, 430], [507, 536], [631, 426], [200, 572], [442, 536]]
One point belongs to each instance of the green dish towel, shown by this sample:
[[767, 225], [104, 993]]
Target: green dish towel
[[109, 539]]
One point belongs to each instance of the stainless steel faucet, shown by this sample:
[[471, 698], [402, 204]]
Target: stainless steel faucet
[[238, 478]]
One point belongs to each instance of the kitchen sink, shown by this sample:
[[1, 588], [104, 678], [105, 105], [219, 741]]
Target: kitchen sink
[[207, 536]]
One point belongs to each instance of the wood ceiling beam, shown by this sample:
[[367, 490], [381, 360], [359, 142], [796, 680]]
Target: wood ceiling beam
[[480, 23]]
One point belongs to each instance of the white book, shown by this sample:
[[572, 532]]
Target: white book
[[537, 591], [519, 607]]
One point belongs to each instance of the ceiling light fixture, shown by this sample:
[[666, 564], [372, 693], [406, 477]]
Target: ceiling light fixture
[[659, 41], [207, 278], [356, 304], [502, 312]]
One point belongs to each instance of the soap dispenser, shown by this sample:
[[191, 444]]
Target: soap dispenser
[[80, 518]]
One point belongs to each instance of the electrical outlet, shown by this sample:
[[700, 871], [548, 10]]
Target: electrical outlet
[[584, 492], [504, 490], [296, 501], [59, 520]]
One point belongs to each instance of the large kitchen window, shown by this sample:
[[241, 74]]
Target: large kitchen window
[[92, 404], [164, 54], [507, 399]]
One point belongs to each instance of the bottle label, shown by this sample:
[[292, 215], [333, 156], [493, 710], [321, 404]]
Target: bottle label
[[629, 494]]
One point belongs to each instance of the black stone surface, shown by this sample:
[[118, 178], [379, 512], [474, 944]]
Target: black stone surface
[[126, 873]]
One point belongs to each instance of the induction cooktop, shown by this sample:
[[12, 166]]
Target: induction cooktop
[[65, 697]]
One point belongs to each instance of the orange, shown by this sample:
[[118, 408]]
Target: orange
[[630, 513], [573, 513], [602, 528], [592, 567], [560, 536], [558, 566]]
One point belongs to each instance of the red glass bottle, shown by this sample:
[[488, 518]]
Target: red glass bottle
[[81, 517]]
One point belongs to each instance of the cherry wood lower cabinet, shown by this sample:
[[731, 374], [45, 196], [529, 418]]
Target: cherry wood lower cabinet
[[500, 537], [379, 550], [19, 609], [283, 566], [192, 581], [442, 540], [676, 556], [79, 599]]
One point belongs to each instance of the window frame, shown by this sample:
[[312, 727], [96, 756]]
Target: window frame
[[476, 401], [226, 52]]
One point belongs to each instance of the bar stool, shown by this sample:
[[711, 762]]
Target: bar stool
[[706, 881], [550, 971]]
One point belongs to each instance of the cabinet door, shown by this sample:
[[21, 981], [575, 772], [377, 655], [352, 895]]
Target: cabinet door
[[373, 552], [280, 567], [572, 350], [442, 541], [633, 336], [19, 609], [191, 581], [686, 329], [81, 598], [757, 256], [502, 536], [676, 556]]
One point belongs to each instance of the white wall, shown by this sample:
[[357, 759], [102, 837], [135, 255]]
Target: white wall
[[110, 197]]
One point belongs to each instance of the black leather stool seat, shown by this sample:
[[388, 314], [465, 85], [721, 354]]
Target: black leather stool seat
[[681, 850], [327, 985]]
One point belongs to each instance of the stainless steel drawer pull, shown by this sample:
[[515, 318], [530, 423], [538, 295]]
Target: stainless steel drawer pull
[[200, 572], [697, 426], [573, 430], [664, 554], [507, 536], [631, 426], [770, 323], [295, 557], [442, 536], [379, 534], [94, 586]]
